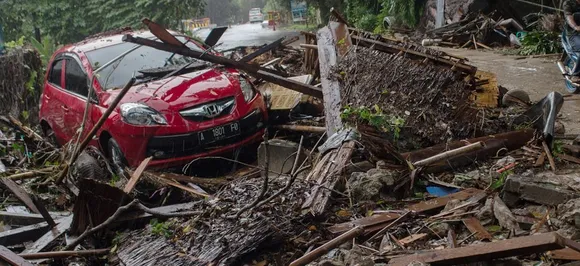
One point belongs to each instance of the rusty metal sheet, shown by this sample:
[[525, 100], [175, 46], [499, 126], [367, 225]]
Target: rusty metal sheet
[[475, 227], [376, 222], [507, 248]]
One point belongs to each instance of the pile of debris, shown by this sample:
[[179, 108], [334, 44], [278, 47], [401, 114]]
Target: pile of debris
[[411, 157]]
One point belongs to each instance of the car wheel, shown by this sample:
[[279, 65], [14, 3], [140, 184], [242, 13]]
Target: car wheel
[[116, 156]]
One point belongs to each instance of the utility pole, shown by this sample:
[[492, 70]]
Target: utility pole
[[1, 40]]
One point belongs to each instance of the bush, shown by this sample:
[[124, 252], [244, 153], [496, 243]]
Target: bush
[[367, 22], [540, 42]]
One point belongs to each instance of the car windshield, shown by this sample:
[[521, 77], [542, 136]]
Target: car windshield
[[117, 74]]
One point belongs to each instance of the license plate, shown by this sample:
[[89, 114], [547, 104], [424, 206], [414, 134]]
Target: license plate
[[219, 133]]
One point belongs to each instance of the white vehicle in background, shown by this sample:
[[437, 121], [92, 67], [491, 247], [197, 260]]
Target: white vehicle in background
[[256, 15]]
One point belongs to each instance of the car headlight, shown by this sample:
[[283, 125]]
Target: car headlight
[[247, 89], [142, 115]]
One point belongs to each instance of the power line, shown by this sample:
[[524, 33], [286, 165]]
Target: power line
[[540, 5]]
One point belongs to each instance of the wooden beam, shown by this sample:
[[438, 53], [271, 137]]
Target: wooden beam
[[136, 175], [262, 50], [11, 258], [20, 193], [327, 57], [489, 251], [65, 254], [50, 236], [253, 70]]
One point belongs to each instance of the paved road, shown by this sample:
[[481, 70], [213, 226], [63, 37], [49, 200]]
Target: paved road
[[248, 35]]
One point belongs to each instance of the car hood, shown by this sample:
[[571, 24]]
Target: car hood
[[182, 91]]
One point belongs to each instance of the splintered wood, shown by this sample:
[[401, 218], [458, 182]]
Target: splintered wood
[[326, 175]]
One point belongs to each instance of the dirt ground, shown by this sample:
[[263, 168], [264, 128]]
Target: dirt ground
[[537, 76]]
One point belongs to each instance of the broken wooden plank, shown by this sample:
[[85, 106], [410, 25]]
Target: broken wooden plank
[[448, 154], [568, 158], [549, 155], [328, 171], [371, 223], [24, 234], [452, 238], [65, 254], [573, 150], [262, 50], [43, 211], [327, 57], [23, 219], [300, 128], [12, 258], [564, 254], [316, 253], [507, 248], [475, 227], [136, 175], [50, 236], [20, 193], [412, 238], [309, 46]]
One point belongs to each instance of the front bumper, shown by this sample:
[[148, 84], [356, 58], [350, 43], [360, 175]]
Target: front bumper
[[176, 150]]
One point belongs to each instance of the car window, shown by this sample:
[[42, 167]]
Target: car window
[[75, 78], [56, 73], [117, 74]]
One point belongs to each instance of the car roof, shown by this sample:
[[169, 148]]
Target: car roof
[[106, 39]]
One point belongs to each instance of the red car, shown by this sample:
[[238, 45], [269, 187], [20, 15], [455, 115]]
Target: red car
[[179, 109]]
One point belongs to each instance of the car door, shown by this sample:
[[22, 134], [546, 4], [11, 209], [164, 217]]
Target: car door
[[76, 86], [52, 110]]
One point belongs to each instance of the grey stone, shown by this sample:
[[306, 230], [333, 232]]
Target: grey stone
[[362, 187], [282, 155], [485, 214], [542, 189], [368, 186], [330, 263], [504, 215], [510, 199]]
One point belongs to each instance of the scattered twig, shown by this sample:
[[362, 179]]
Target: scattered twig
[[549, 155], [316, 253]]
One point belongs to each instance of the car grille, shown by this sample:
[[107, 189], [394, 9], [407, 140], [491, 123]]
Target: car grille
[[163, 147], [209, 111]]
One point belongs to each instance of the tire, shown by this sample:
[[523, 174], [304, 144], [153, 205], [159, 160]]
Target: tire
[[116, 157], [569, 86]]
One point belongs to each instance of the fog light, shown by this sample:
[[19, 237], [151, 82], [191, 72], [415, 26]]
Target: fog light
[[158, 154]]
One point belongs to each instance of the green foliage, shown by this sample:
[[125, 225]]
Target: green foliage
[[160, 228], [16, 146], [45, 48], [68, 21], [404, 11], [367, 22], [114, 179], [497, 184], [558, 147], [540, 42], [376, 118], [15, 44]]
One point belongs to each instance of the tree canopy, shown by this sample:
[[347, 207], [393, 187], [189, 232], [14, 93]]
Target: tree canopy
[[69, 21]]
